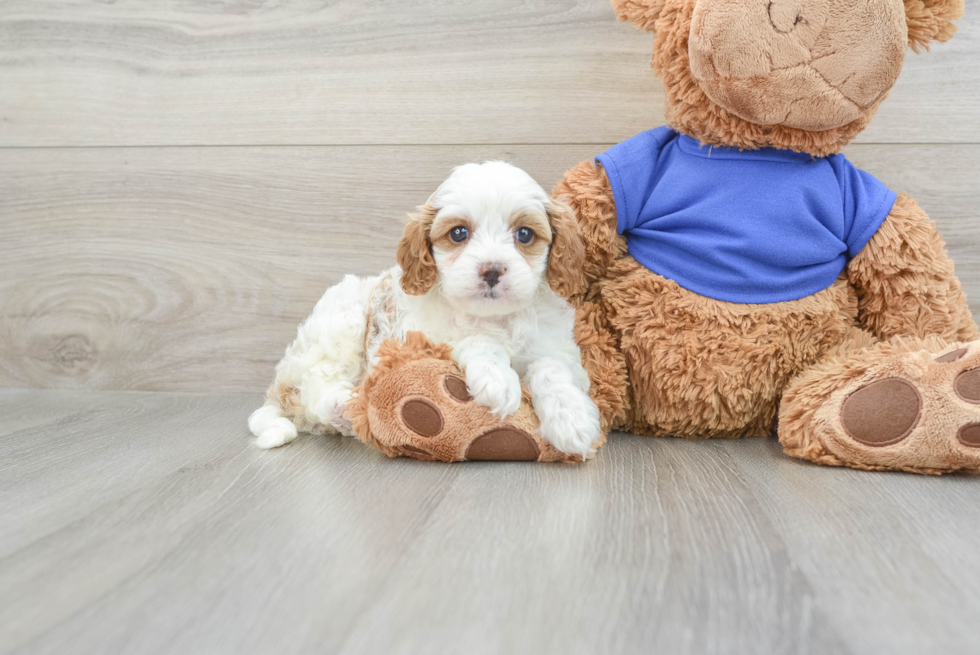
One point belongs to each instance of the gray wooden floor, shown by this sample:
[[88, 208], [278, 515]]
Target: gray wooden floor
[[179, 183], [147, 523]]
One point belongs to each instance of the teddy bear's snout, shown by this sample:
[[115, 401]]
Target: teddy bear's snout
[[807, 64], [786, 15]]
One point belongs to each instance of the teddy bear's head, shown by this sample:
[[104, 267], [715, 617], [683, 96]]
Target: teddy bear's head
[[807, 75]]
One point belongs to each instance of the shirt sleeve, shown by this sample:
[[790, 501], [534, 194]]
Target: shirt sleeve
[[867, 203], [630, 166]]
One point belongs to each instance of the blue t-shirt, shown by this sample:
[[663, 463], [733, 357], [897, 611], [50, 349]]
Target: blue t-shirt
[[756, 226]]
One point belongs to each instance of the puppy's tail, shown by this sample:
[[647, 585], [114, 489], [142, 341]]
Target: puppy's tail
[[271, 426]]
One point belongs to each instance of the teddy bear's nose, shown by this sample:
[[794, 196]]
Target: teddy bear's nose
[[786, 15]]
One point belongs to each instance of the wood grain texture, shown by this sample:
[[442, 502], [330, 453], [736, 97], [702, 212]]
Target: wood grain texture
[[867, 540], [246, 72], [188, 269], [114, 261], [147, 523]]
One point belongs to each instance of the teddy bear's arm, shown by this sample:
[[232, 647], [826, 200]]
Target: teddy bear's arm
[[587, 191], [905, 280]]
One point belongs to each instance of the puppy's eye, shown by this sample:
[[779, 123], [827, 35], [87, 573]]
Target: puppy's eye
[[524, 235], [459, 234]]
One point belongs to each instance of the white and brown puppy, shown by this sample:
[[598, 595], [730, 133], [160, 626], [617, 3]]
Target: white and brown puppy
[[481, 267]]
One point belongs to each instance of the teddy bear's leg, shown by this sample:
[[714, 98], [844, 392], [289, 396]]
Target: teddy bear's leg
[[903, 392], [415, 403], [905, 404]]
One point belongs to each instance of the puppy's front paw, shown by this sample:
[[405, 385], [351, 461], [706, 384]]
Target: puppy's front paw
[[570, 422], [496, 387]]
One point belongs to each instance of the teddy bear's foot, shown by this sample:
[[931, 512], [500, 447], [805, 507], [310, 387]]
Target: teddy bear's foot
[[415, 404], [895, 406]]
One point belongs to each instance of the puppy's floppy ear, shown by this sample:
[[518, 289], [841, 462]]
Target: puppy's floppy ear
[[931, 20], [419, 272], [566, 260], [642, 13]]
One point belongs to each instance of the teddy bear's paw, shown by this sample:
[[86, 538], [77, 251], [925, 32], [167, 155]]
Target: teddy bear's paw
[[452, 416], [416, 402], [916, 411], [424, 418]]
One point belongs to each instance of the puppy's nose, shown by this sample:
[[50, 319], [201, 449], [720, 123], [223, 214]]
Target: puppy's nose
[[491, 274]]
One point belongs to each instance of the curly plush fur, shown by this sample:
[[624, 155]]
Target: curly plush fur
[[698, 368], [931, 20]]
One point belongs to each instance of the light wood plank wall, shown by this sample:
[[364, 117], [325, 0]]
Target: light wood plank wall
[[180, 180]]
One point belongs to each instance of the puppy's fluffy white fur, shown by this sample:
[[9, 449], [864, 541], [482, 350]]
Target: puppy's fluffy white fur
[[479, 266]]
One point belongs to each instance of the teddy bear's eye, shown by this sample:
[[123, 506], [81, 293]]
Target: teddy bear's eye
[[524, 235], [459, 234]]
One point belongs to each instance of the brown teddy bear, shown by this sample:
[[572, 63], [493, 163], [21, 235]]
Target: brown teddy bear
[[741, 275]]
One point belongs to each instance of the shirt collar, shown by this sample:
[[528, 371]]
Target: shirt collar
[[694, 147]]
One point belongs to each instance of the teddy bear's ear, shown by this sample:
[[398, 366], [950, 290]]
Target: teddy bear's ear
[[931, 20], [642, 13]]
